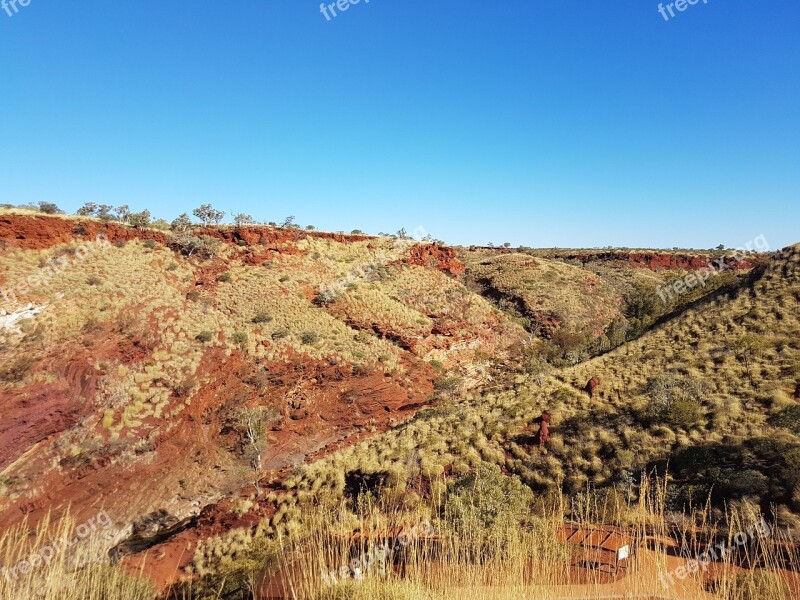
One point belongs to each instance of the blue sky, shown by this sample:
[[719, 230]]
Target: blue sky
[[562, 123]]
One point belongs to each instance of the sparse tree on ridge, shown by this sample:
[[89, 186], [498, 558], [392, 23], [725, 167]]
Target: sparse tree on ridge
[[188, 244], [87, 210], [139, 220], [49, 208], [104, 212], [182, 223], [243, 219], [208, 214], [288, 221], [123, 213]]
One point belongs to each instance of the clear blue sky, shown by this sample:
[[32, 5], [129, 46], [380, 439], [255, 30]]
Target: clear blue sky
[[561, 123]]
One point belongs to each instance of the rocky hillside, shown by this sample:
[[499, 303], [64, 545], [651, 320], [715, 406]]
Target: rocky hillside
[[699, 390], [207, 386], [133, 359]]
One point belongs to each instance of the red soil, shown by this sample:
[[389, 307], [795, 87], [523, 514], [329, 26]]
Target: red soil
[[325, 408], [38, 233], [435, 256], [34, 232]]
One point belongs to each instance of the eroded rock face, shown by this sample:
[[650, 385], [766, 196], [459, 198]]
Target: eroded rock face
[[656, 261], [591, 386], [38, 233], [437, 257]]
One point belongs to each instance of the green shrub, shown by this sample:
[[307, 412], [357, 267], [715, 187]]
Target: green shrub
[[309, 337], [447, 384], [223, 277], [789, 418], [262, 318], [49, 208], [139, 220], [280, 334], [189, 245], [160, 224], [149, 244], [240, 338], [204, 337], [437, 364], [675, 400], [487, 507]]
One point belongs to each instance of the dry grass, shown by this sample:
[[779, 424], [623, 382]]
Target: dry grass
[[548, 287], [80, 571]]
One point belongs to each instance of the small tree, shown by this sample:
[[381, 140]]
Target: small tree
[[402, 233], [288, 221], [87, 210], [182, 223], [487, 508], [747, 348], [104, 212], [208, 214], [252, 425], [123, 213], [139, 220], [675, 399], [188, 244], [49, 208], [537, 367], [243, 219]]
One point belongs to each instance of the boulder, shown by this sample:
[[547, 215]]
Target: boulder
[[544, 429], [591, 385]]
